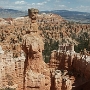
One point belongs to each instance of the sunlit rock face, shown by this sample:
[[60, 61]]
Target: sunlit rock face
[[36, 71]]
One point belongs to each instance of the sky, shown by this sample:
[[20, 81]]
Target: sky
[[72, 5]]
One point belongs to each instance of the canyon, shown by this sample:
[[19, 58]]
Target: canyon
[[22, 43]]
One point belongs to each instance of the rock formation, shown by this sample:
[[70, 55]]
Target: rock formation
[[71, 64], [37, 75], [21, 61]]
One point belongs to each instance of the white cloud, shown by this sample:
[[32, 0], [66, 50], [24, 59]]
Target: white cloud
[[33, 3], [42, 3], [84, 8], [62, 6], [38, 4], [20, 2], [59, 7], [68, 2], [46, 5], [71, 9]]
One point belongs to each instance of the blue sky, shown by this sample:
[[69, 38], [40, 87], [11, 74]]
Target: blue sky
[[72, 5]]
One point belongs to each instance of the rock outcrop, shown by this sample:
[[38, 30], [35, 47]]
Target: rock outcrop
[[37, 75], [71, 64]]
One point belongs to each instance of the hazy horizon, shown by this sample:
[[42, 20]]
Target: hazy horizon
[[42, 5]]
